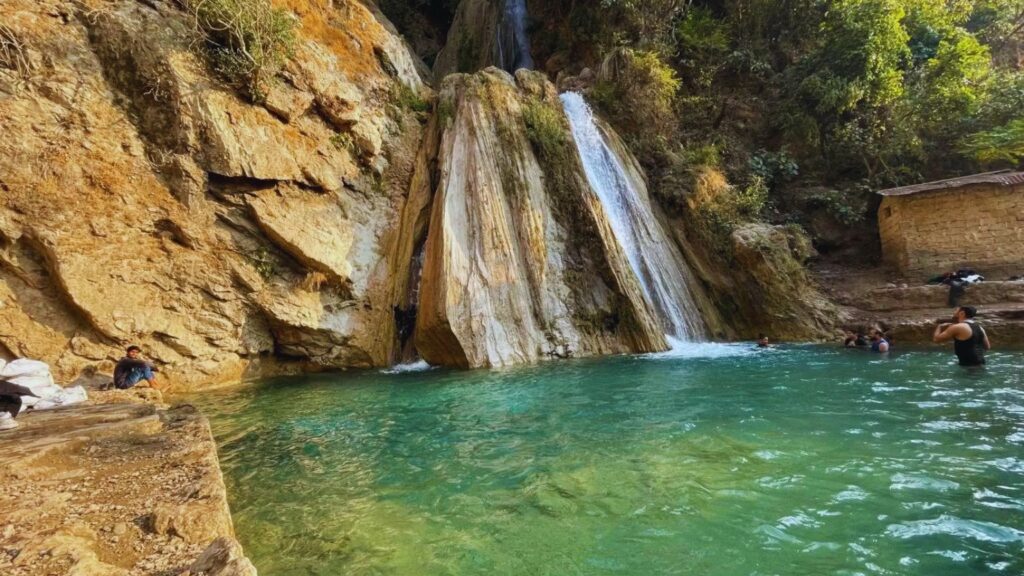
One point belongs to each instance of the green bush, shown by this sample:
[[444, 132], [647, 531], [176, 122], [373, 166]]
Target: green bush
[[638, 93], [407, 99], [716, 217], [545, 129], [1003, 144], [264, 262], [343, 141], [247, 40], [773, 167], [848, 207], [697, 155]]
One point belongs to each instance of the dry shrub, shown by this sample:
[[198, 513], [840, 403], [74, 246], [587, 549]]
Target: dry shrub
[[314, 281], [13, 53], [247, 40]]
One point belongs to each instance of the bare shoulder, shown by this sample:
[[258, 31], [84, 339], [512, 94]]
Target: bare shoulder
[[962, 331]]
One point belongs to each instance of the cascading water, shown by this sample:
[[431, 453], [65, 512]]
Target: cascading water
[[513, 45], [654, 258]]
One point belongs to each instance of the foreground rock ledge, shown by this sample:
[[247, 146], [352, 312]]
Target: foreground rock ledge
[[115, 489]]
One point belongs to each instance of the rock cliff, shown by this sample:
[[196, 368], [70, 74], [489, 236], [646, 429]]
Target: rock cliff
[[347, 217], [144, 201]]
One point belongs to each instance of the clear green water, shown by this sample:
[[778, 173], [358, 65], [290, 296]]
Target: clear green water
[[791, 461]]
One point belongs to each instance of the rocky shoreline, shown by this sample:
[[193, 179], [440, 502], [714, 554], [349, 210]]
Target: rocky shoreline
[[122, 486]]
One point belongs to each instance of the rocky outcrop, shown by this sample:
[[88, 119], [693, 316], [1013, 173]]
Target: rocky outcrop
[[908, 313], [755, 276], [115, 489], [777, 295], [144, 201], [505, 277]]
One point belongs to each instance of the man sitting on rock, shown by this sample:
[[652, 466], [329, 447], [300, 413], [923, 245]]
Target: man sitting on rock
[[131, 370]]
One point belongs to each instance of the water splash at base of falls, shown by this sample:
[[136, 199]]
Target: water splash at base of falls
[[654, 258]]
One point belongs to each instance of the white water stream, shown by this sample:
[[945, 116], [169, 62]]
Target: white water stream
[[513, 44], [654, 258]]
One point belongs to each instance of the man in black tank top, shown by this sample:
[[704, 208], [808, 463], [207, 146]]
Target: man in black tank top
[[969, 339]]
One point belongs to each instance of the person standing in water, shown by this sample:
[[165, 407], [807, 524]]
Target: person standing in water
[[762, 340], [879, 343], [969, 339]]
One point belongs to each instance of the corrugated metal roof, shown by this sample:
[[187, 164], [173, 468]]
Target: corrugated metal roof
[[998, 178]]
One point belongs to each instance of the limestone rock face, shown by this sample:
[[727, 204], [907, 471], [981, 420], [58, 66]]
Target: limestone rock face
[[486, 33], [782, 299], [503, 280], [144, 201], [471, 38]]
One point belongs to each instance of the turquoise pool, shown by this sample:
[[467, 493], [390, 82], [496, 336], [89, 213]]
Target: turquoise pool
[[721, 460]]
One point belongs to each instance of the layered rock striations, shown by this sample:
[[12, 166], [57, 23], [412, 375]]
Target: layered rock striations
[[518, 259]]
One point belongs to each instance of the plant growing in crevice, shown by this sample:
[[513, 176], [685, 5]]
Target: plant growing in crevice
[[344, 141], [13, 53], [445, 112], [264, 262], [314, 281], [247, 41], [545, 129], [407, 99]]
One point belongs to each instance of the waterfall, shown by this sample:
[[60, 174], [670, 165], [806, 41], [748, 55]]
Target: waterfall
[[654, 258], [513, 45]]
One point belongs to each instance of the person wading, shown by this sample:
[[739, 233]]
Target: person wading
[[969, 339]]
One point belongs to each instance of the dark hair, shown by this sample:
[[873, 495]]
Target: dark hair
[[761, 336], [134, 348], [969, 311]]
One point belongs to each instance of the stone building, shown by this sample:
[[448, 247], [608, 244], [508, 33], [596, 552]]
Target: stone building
[[972, 221]]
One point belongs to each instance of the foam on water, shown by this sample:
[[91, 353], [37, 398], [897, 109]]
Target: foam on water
[[418, 366], [685, 349]]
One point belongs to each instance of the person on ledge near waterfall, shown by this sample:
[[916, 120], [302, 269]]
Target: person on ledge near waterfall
[[969, 339], [131, 370]]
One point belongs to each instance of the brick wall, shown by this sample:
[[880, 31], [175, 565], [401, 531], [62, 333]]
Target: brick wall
[[980, 227]]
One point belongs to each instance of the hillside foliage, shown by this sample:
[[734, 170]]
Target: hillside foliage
[[853, 95]]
